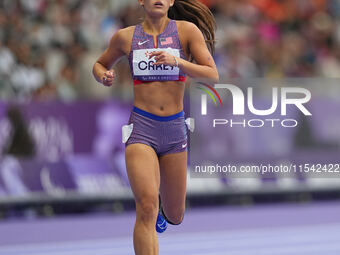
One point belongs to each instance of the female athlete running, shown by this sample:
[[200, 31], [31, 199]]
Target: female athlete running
[[158, 49]]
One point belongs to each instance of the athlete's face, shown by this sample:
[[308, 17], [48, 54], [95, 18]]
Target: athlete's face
[[156, 7]]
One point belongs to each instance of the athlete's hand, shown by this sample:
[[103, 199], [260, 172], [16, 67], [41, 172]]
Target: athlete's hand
[[108, 78], [164, 58]]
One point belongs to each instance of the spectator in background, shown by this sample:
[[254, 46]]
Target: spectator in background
[[20, 142]]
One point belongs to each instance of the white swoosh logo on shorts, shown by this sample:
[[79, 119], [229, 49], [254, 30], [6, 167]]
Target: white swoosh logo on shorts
[[141, 43], [184, 145]]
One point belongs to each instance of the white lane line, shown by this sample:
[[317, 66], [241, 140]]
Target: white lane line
[[187, 241], [310, 249]]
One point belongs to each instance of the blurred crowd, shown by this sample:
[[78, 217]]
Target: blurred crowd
[[48, 48], [278, 38]]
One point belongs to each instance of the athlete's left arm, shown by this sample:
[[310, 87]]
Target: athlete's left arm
[[204, 67]]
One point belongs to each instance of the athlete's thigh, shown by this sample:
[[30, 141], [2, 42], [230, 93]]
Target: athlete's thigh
[[173, 170], [143, 171]]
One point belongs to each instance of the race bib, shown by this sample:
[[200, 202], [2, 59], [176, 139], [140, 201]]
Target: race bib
[[145, 71]]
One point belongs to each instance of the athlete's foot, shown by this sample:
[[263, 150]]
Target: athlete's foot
[[161, 224]]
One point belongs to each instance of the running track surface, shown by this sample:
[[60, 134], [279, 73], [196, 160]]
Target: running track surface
[[282, 229]]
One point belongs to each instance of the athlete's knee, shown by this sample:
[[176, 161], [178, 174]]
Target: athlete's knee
[[147, 209], [174, 216]]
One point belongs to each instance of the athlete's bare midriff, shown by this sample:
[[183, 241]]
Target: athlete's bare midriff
[[160, 98]]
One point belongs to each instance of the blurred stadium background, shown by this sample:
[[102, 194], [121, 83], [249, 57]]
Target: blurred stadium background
[[62, 168]]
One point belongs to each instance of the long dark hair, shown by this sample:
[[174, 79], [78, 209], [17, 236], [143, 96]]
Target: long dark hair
[[199, 14]]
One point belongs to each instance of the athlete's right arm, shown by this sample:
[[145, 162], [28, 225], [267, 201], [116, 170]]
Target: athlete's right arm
[[101, 69]]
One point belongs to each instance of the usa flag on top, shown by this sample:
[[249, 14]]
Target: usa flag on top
[[166, 41]]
